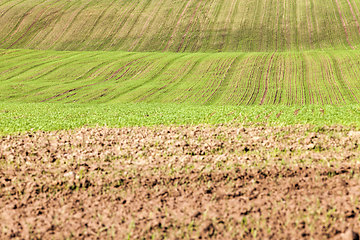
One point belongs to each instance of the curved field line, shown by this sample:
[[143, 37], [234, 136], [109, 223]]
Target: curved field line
[[188, 27], [309, 22], [201, 91], [354, 73], [320, 89], [172, 79], [129, 10], [177, 25], [28, 29], [195, 65], [267, 79], [228, 71], [277, 25], [314, 21], [343, 24], [58, 18], [233, 95], [219, 65], [215, 19], [306, 83], [325, 76], [32, 66], [205, 25], [51, 62], [134, 23], [355, 7], [102, 67], [98, 19], [282, 82], [126, 13], [228, 22], [58, 66], [316, 80], [347, 83], [16, 28], [68, 27], [149, 21], [7, 10], [339, 79], [190, 43], [156, 90], [310, 90], [220, 68], [289, 91], [250, 77], [261, 24], [186, 95], [154, 76], [252, 23], [354, 16], [256, 90], [92, 84], [277, 81]]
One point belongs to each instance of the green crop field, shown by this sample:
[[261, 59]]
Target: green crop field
[[180, 26], [19, 117], [215, 52]]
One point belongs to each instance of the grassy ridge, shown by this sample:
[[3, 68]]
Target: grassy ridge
[[20, 117], [313, 77], [180, 26]]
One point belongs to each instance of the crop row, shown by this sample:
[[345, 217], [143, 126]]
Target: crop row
[[312, 77], [180, 26]]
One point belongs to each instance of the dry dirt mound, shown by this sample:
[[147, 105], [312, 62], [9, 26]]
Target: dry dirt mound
[[225, 182]]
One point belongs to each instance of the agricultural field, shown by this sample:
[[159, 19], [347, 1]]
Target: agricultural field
[[285, 78], [188, 119], [180, 26]]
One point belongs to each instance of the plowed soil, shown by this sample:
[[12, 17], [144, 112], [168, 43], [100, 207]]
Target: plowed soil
[[223, 182]]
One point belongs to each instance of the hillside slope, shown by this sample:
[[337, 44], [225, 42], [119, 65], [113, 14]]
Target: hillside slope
[[180, 26], [313, 77]]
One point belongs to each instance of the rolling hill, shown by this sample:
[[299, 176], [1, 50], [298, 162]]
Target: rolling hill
[[180, 26], [238, 52]]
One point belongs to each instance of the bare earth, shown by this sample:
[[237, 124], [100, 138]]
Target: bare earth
[[223, 182]]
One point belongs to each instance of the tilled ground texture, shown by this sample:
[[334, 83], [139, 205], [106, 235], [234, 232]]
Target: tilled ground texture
[[223, 182]]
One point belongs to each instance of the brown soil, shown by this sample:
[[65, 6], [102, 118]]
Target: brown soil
[[224, 182]]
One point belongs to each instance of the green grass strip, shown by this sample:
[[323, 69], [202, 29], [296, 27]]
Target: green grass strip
[[20, 117]]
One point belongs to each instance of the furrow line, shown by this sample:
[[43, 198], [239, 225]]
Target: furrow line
[[354, 16], [339, 79], [125, 14], [267, 79], [256, 89], [155, 76], [325, 79], [188, 27], [16, 28], [92, 84], [228, 22], [177, 25], [88, 35], [149, 20], [213, 77], [7, 10], [343, 24], [223, 79], [69, 25], [233, 96], [28, 29], [310, 27], [134, 23], [347, 83]]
